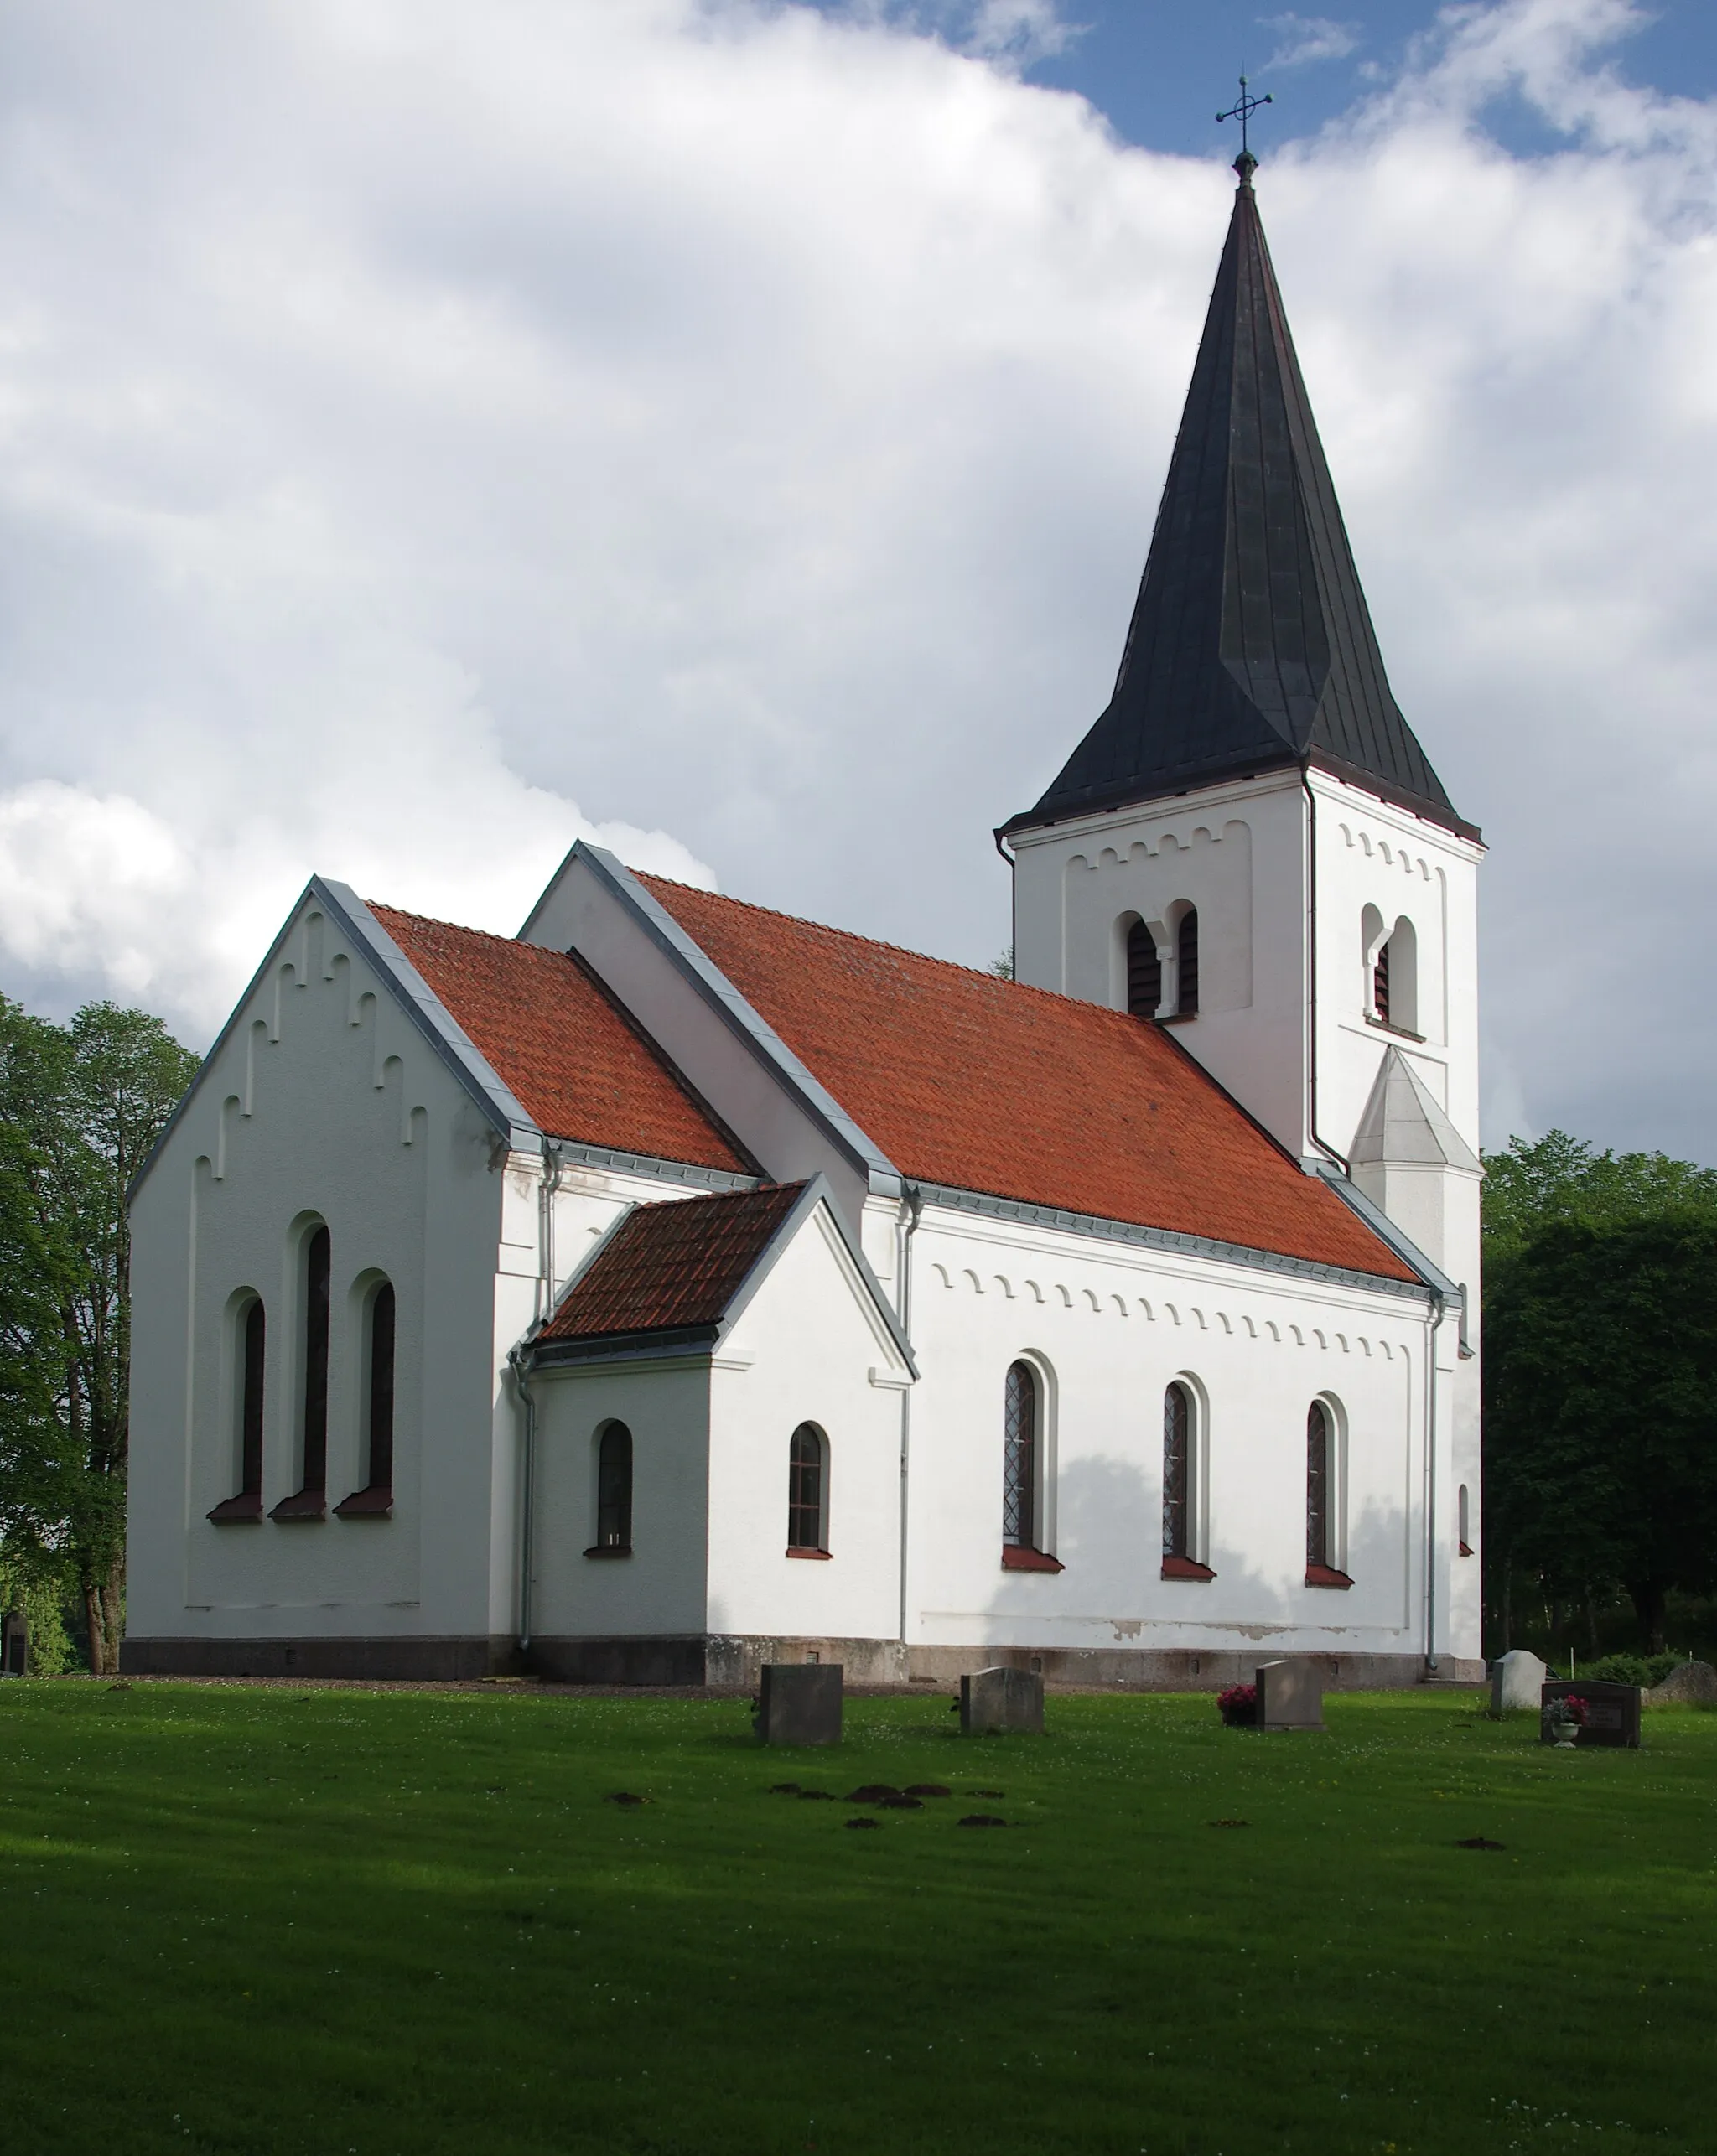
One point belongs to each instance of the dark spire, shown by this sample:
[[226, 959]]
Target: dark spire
[[1251, 645]]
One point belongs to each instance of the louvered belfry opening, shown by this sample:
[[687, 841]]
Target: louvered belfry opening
[[1144, 972], [1251, 647], [1186, 965], [1317, 1488], [1380, 982], [1177, 1473], [1020, 1467]]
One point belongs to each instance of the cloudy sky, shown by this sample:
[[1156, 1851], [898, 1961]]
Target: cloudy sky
[[432, 431]]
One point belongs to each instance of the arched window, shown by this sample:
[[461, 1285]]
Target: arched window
[[807, 1492], [309, 1501], [376, 1498], [1177, 1473], [1317, 1488], [1380, 984], [614, 1489], [1144, 972], [252, 1339], [1323, 1499], [1020, 1420], [1186, 965], [1463, 1514]]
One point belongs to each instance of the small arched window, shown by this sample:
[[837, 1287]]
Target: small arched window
[[1463, 1513], [1177, 1473], [379, 1435], [1020, 1421], [1317, 1487], [614, 1488], [1380, 984], [1186, 965], [252, 1340], [807, 1492], [1144, 972]]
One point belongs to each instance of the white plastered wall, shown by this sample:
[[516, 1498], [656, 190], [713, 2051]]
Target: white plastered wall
[[323, 1102]]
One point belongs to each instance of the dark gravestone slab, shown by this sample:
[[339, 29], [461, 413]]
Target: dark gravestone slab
[[1290, 1696], [799, 1704], [1612, 1710], [14, 1644], [1001, 1702]]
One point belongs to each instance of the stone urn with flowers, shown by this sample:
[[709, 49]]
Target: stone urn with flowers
[[1564, 1719]]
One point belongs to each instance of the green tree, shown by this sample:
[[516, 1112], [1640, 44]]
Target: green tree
[[82, 1105], [1600, 1378]]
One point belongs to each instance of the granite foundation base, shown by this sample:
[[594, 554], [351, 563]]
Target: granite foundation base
[[456, 1660], [1170, 1669]]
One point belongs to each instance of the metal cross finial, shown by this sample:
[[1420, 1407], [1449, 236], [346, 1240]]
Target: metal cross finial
[[1242, 110]]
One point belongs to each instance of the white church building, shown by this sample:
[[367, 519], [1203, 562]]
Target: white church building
[[678, 1286]]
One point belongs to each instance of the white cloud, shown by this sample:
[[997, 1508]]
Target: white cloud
[[1309, 38], [425, 429]]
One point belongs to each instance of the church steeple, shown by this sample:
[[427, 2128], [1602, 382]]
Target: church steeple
[[1251, 645]]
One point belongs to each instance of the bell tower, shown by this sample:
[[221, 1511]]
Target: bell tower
[[1250, 845]]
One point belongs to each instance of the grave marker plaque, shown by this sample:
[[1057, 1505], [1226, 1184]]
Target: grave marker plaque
[[1612, 1710], [1001, 1702], [799, 1704], [1517, 1680], [1290, 1695]]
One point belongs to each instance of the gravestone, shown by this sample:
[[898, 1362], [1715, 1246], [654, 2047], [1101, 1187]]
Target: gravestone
[[1689, 1684], [799, 1704], [14, 1644], [1517, 1680], [1612, 1710], [1290, 1695], [1001, 1702]]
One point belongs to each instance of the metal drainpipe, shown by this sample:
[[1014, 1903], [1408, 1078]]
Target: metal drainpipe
[[553, 1165], [904, 1231], [1433, 1327]]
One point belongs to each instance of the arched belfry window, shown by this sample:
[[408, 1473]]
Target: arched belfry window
[[807, 1493], [311, 1499], [1181, 1524], [614, 1492], [251, 1341], [1380, 984], [1323, 1539], [1144, 972], [1186, 965], [1019, 1434]]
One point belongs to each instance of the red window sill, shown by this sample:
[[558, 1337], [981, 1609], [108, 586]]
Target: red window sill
[[1466, 1549], [820, 1557], [375, 1503], [301, 1505], [1016, 1559], [1185, 1568], [232, 1508], [1326, 1575], [609, 1550]]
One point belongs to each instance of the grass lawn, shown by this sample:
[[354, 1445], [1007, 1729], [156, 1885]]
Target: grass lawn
[[402, 1923]]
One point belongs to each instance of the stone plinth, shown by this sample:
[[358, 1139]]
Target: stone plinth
[[1517, 1680], [1612, 1710], [1290, 1695], [799, 1704], [1001, 1702]]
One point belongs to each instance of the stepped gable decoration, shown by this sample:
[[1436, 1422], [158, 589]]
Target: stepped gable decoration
[[575, 1064], [978, 1083], [1251, 645], [673, 1267]]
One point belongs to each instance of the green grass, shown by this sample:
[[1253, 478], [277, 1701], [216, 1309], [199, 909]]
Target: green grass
[[401, 1924]]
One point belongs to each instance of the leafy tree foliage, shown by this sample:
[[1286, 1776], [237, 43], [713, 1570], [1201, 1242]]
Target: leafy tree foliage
[[1600, 1407], [80, 1104]]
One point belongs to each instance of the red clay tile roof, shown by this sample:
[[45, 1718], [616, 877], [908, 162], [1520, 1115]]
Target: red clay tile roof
[[984, 1084], [673, 1265], [574, 1065]]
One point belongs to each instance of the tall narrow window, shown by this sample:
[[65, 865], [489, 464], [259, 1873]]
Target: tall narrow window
[[1187, 966], [1177, 1473], [1380, 983], [807, 1493], [1019, 1422], [1463, 1521], [374, 1501], [1317, 1488], [1144, 972], [252, 1345], [614, 1489], [309, 1501]]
